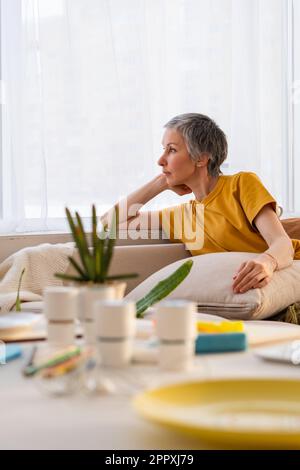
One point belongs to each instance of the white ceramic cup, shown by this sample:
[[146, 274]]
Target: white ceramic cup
[[115, 318], [177, 357], [176, 331], [60, 309], [176, 320], [115, 353], [115, 330], [61, 333], [60, 303]]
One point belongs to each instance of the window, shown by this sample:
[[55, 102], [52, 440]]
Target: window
[[89, 85], [295, 140]]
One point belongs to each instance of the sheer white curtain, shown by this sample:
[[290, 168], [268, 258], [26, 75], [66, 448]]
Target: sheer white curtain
[[90, 83], [296, 104]]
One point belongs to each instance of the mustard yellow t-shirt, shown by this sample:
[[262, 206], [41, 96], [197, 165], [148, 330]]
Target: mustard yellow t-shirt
[[223, 220]]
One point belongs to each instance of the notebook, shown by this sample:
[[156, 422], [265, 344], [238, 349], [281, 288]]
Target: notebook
[[19, 325]]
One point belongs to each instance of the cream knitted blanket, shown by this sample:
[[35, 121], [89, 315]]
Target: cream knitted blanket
[[40, 263]]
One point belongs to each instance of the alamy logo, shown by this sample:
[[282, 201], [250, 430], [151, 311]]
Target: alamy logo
[[187, 224], [184, 223]]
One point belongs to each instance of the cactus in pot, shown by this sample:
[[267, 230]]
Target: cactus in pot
[[95, 258]]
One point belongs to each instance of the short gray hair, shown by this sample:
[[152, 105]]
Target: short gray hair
[[202, 134]]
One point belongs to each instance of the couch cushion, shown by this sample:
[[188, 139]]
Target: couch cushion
[[141, 259], [209, 284], [292, 227]]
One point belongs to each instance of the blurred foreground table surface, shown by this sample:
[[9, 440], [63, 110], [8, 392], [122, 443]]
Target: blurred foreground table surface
[[31, 419]]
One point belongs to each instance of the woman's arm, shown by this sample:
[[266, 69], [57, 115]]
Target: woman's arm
[[280, 254], [130, 206], [280, 245]]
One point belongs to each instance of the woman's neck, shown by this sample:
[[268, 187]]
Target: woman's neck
[[203, 185]]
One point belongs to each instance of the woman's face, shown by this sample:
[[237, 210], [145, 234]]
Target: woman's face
[[175, 160]]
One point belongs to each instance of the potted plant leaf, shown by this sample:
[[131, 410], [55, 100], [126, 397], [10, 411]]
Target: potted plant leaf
[[95, 257], [18, 301], [163, 288]]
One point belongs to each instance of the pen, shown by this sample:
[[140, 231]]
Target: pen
[[63, 368], [67, 366], [58, 359]]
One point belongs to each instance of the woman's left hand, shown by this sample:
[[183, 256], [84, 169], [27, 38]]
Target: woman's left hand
[[253, 274]]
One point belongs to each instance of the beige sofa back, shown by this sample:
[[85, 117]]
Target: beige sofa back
[[142, 259]]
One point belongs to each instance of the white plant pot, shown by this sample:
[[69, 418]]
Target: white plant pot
[[88, 295]]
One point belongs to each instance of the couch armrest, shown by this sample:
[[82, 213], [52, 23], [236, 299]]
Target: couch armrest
[[292, 227], [142, 259]]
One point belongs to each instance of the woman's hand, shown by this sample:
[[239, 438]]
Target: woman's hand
[[180, 189], [253, 274]]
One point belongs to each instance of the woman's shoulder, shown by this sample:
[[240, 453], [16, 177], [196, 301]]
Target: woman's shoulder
[[242, 175], [242, 178]]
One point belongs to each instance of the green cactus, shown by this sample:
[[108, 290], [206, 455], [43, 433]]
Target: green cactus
[[163, 288], [95, 262]]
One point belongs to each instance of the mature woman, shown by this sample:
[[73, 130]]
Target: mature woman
[[237, 212]]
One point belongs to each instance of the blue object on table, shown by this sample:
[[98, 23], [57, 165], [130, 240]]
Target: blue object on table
[[12, 351], [220, 342]]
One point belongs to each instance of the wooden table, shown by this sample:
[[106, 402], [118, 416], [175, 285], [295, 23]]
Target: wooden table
[[33, 420]]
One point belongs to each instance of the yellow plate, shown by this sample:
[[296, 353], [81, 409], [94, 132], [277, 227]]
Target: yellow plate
[[246, 413]]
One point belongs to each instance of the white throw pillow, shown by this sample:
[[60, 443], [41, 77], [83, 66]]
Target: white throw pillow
[[209, 284]]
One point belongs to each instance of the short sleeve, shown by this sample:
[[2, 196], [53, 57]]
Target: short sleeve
[[253, 195]]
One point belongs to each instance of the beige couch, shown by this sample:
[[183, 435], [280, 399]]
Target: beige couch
[[143, 260], [143, 256], [148, 256]]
